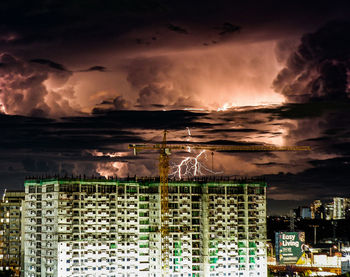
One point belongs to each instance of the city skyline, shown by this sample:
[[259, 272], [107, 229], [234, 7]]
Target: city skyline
[[80, 81]]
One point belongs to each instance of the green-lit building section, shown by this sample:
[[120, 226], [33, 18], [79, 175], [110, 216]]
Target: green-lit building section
[[217, 226]]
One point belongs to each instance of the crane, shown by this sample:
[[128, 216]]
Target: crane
[[164, 150]]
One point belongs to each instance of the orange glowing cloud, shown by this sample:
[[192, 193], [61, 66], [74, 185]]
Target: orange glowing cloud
[[211, 78]]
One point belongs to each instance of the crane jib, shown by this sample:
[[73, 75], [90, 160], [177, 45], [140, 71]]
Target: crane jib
[[169, 147]]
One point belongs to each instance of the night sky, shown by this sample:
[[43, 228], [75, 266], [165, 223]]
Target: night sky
[[80, 80]]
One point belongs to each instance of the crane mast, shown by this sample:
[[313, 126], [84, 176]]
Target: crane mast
[[164, 153], [164, 190]]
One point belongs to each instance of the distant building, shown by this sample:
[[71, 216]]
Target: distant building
[[302, 212], [347, 208], [10, 231], [315, 210], [339, 208], [328, 211], [80, 227], [305, 212]]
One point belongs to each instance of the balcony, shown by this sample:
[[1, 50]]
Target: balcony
[[90, 206]]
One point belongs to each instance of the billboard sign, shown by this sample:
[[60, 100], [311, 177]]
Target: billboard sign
[[289, 247]]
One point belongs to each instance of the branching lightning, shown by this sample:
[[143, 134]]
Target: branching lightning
[[191, 166], [189, 133], [2, 108]]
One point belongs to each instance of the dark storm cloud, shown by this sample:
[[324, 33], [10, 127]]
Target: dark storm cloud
[[34, 146], [234, 130], [158, 120], [38, 87], [32, 165], [49, 63], [57, 66], [322, 125], [319, 68], [228, 28], [22, 88], [96, 68], [71, 30], [154, 80], [300, 111], [133, 37], [228, 142], [119, 103], [116, 104], [89, 36], [73, 134], [177, 29], [328, 178]]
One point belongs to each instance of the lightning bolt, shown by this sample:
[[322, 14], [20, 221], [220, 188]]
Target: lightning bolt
[[188, 131], [191, 166], [188, 139], [2, 108]]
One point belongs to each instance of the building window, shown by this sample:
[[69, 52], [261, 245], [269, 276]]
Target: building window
[[31, 189], [184, 189], [49, 188]]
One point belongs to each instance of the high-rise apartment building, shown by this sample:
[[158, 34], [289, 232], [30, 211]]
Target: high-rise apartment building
[[10, 231], [98, 227], [339, 208]]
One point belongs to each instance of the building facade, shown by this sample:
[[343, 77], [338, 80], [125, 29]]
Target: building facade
[[10, 231], [305, 212], [97, 227], [339, 207], [315, 208]]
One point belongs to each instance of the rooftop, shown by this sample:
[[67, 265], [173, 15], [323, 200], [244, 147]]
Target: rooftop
[[144, 180]]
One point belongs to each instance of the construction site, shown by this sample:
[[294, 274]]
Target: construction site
[[199, 226], [99, 227]]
